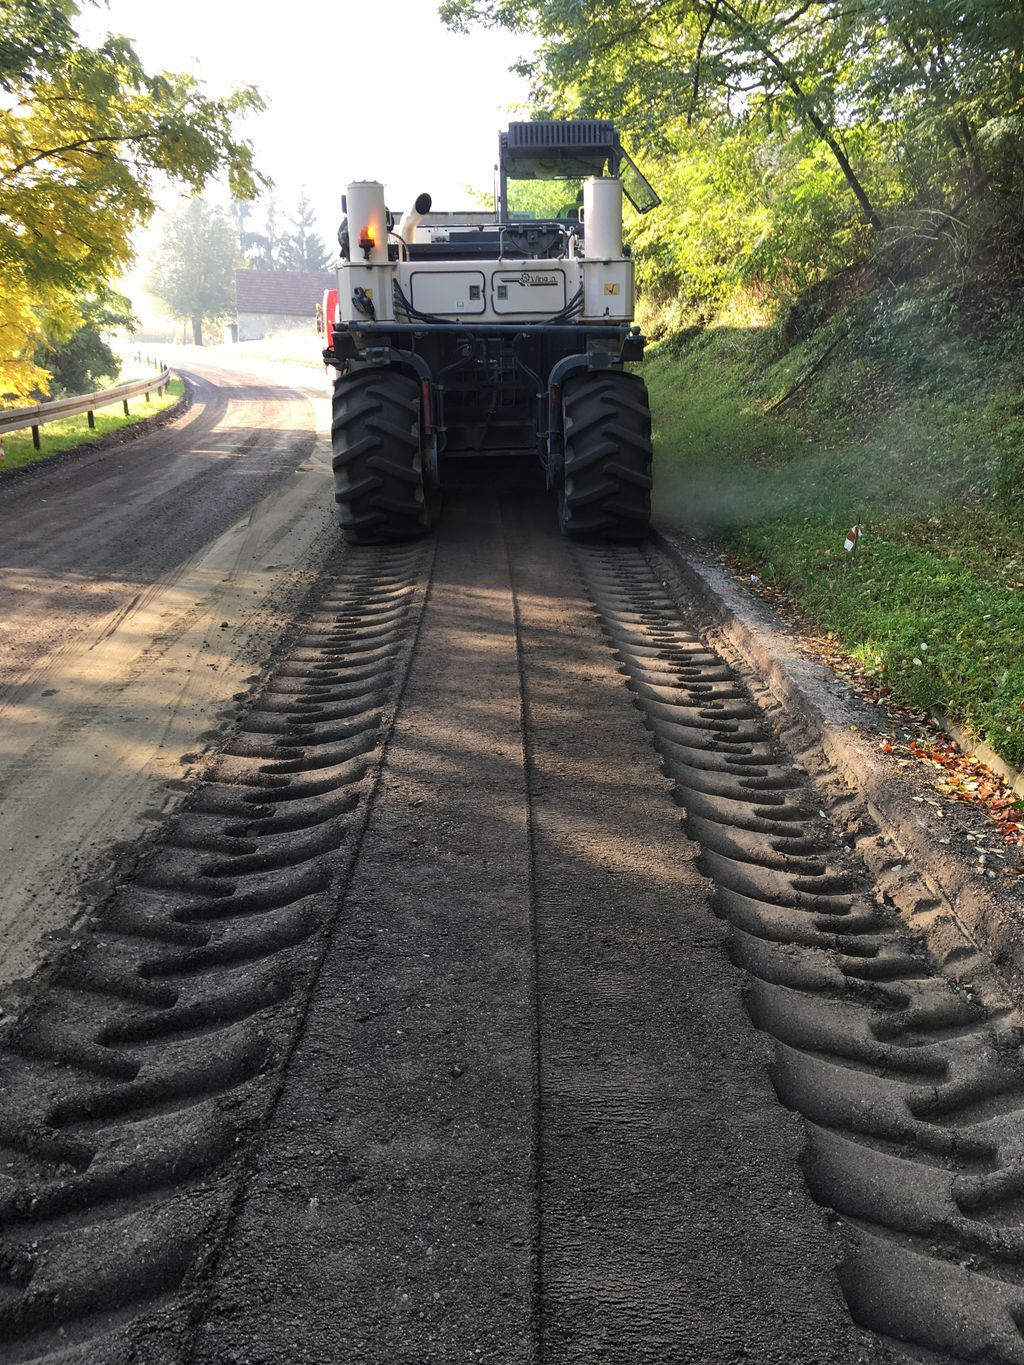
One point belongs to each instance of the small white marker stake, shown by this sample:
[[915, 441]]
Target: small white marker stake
[[852, 536]]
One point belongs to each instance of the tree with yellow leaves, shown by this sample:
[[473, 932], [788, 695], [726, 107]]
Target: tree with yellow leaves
[[84, 135]]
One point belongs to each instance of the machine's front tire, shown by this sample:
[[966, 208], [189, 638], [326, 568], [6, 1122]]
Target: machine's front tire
[[606, 487], [378, 466]]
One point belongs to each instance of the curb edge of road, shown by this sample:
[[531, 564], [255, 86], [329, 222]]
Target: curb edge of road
[[828, 720], [124, 436]]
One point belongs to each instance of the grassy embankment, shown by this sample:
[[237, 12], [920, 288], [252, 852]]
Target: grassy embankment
[[913, 426], [70, 432]]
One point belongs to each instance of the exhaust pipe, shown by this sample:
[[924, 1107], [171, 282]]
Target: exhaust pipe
[[602, 218], [411, 217]]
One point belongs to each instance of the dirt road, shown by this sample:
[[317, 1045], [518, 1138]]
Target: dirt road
[[142, 586], [450, 1017]]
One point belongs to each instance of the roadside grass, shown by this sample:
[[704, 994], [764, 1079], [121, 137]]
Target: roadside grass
[[70, 432], [916, 433]]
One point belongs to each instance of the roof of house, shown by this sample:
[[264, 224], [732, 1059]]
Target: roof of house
[[292, 292]]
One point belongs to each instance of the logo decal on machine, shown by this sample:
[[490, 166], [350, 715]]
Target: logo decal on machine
[[528, 278]]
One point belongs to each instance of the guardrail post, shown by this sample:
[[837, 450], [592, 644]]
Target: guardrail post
[[34, 417]]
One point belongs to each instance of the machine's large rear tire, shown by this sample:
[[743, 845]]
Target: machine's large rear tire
[[606, 489], [378, 467]]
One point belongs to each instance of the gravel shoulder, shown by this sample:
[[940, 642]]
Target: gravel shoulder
[[922, 849]]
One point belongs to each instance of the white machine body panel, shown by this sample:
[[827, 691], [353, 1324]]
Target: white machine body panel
[[449, 291], [532, 289], [608, 290], [490, 291], [501, 289], [375, 281]]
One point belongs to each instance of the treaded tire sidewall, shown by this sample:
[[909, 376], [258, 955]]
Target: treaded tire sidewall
[[606, 486], [376, 457]]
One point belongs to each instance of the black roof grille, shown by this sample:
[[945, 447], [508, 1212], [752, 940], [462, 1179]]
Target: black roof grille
[[551, 148], [552, 135]]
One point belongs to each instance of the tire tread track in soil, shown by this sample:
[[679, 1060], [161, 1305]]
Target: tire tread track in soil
[[912, 1093], [527, 1119], [130, 1087]]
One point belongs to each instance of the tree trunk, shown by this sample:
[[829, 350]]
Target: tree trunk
[[810, 113], [826, 135], [197, 331]]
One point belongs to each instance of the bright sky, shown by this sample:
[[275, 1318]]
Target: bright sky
[[356, 89]]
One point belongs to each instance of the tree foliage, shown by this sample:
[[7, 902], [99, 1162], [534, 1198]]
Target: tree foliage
[[258, 250], [33, 33], [791, 137], [85, 136], [302, 248], [194, 273], [82, 362], [295, 247]]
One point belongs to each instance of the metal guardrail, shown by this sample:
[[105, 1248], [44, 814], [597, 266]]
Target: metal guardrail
[[18, 419]]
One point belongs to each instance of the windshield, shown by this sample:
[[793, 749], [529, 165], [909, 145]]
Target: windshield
[[560, 198], [538, 196]]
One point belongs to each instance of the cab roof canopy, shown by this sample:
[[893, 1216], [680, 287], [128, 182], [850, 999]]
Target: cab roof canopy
[[560, 150], [569, 149]]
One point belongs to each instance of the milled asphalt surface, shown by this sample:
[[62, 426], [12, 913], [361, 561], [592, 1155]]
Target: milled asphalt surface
[[454, 1175]]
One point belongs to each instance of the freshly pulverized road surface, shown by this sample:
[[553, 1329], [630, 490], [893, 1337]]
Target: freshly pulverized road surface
[[501, 991], [141, 587]]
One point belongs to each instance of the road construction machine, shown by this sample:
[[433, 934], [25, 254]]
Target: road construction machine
[[494, 334]]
